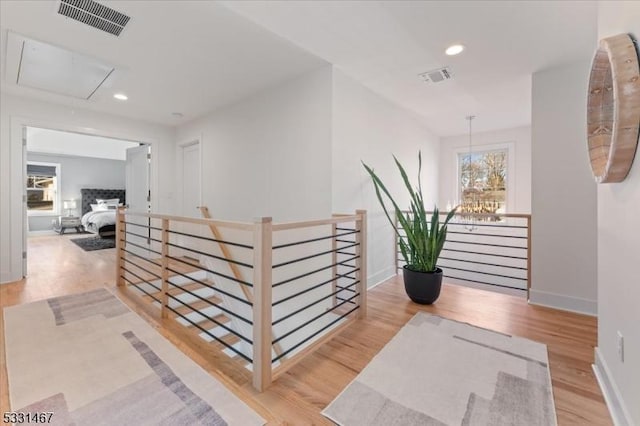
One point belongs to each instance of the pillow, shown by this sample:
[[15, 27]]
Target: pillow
[[98, 207], [108, 201]]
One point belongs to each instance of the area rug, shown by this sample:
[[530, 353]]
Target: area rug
[[441, 372], [89, 360], [94, 243]]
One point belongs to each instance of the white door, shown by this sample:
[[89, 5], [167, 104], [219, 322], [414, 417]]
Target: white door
[[25, 219], [189, 155], [138, 198], [191, 180]]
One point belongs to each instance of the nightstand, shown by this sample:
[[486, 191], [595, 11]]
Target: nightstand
[[66, 222]]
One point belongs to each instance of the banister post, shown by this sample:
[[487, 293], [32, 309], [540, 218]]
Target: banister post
[[334, 261], [528, 256], [120, 236], [361, 262], [262, 303], [165, 271]]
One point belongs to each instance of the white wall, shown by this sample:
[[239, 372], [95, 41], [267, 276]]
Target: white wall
[[618, 259], [16, 112], [269, 155], [367, 127], [518, 140], [293, 152], [76, 173], [563, 204]]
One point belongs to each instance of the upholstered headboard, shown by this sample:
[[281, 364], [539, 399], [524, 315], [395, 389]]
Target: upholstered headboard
[[89, 196]]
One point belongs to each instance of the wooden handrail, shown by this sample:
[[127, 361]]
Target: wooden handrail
[[197, 221], [338, 218]]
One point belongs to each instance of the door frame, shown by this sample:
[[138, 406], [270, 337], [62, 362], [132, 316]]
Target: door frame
[[180, 146], [18, 156]]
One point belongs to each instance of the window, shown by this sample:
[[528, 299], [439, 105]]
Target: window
[[482, 181], [42, 188]]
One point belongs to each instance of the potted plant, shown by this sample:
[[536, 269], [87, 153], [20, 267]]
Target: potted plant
[[423, 240]]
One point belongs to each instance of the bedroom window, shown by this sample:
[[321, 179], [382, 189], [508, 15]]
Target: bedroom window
[[482, 180], [42, 188]]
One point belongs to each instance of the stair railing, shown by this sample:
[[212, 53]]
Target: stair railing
[[261, 295]]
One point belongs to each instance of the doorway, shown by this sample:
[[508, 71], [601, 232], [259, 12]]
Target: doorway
[[58, 166]]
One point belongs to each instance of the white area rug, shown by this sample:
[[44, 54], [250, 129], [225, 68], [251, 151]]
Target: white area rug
[[441, 372], [89, 360]]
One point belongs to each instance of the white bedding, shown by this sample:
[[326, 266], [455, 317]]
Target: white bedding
[[93, 221]]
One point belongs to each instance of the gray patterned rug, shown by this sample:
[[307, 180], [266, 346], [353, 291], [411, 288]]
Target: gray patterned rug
[[441, 372], [94, 243], [89, 360]]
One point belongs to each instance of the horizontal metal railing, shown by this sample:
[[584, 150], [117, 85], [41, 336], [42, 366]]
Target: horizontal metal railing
[[265, 294], [485, 249]]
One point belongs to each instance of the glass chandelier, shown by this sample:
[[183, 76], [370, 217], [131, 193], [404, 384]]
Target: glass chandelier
[[468, 203]]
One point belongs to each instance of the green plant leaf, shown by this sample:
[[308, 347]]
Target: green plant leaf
[[424, 238]]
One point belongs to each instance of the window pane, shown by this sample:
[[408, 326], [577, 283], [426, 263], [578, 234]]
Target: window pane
[[41, 187], [483, 181], [37, 200], [35, 181]]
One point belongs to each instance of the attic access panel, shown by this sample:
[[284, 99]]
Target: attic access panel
[[54, 69]]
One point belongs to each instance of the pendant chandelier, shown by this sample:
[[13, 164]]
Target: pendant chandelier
[[469, 201]]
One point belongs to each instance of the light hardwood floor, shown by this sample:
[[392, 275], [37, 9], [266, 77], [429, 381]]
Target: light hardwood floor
[[58, 267]]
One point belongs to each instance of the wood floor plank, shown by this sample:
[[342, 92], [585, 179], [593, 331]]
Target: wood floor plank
[[58, 267]]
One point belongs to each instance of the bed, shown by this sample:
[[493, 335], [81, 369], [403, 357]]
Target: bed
[[102, 222]]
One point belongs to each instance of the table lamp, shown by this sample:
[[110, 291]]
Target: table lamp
[[69, 205]]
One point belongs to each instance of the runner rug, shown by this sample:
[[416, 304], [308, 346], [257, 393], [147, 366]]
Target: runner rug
[[89, 360], [441, 372]]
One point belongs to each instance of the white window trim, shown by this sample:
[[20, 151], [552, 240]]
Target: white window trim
[[58, 198], [510, 147]]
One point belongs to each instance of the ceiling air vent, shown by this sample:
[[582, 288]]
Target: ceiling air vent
[[94, 14], [437, 75]]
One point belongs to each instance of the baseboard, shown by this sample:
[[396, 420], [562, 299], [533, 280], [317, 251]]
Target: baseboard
[[5, 278], [380, 277], [565, 303], [42, 232], [615, 403]]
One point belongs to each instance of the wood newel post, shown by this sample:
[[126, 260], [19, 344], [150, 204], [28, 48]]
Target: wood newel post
[[165, 271], [120, 236], [361, 262], [334, 261], [262, 328], [528, 255]]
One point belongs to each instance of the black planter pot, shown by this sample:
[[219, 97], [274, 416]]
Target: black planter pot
[[422, 287]]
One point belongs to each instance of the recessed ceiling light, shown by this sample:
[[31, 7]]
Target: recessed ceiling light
[[454, 49], [121, 96]]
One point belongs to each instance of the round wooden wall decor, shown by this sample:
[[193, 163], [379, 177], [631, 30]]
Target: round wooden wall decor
[[613, 111]]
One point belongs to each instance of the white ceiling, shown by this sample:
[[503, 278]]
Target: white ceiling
[[385, 45], [47, 141], [193, 57], [174, 56]]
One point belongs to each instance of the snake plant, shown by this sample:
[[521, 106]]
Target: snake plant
[[424, 237]]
